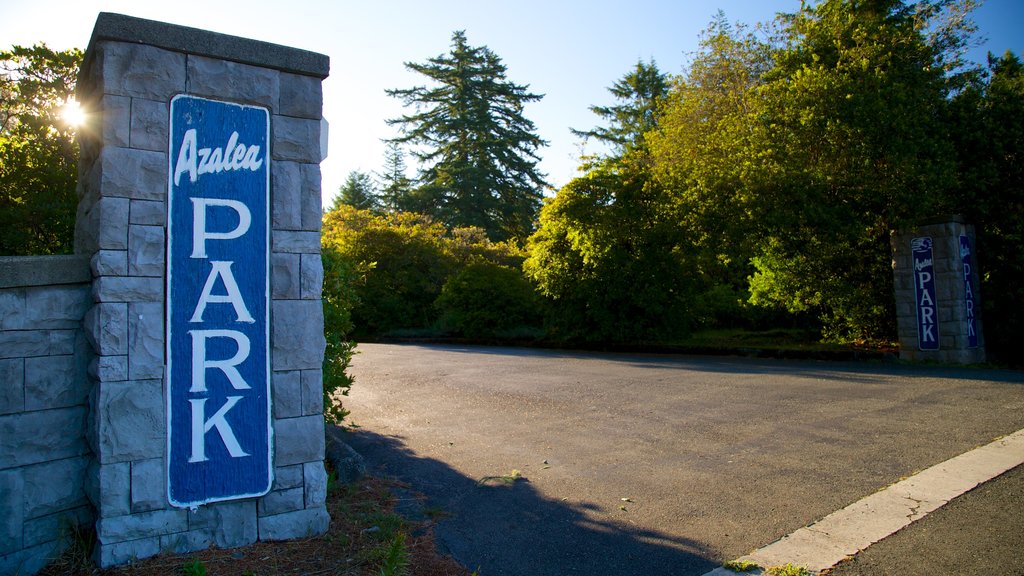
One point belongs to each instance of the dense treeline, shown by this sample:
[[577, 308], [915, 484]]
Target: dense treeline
[[759, 187]]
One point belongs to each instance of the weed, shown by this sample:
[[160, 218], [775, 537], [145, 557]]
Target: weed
[[508, 479], [382, 526], [740, 565], [332, 482], [435, 512], [395, 558], [81, 542], [788, 570], [193, 568]]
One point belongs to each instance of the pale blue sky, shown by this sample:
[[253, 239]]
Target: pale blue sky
[[570, 51]]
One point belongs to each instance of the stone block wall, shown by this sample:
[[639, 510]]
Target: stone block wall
[[133, 68], [950, 294], [43, 408]]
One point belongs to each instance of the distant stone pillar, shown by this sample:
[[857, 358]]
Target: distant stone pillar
[[133, 70], [938, 304]]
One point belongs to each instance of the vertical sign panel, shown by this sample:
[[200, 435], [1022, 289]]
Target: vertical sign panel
[[218, 392], [924, 289], [969, 302]]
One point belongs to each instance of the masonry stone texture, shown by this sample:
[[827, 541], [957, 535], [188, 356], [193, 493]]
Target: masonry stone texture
[[951, 294], [44, 392], [82, 338]]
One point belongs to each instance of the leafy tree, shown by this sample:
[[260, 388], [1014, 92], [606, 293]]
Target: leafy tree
[[640, 93], [395, 185], [698, 150], [848, 144], [358, 192], [609, 257], [799, 155], [38, 152], [478, 151]]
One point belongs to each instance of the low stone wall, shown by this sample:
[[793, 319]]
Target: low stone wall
[[44, 392]]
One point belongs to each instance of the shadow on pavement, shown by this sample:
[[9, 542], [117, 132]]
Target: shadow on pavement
[[845, 370], [505, 530]]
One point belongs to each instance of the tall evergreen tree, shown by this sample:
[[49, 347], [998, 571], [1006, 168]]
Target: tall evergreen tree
[[478, 151], [640, 93], [395, 185]]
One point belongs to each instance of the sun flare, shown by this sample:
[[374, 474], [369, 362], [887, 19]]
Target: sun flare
[[73, 114]]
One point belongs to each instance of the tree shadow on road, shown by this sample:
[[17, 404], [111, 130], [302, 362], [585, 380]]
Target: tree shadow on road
[[738, 363], [506, 529]]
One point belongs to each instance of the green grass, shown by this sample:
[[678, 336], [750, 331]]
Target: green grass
[[740, 565], [193, 568], [788, 570]]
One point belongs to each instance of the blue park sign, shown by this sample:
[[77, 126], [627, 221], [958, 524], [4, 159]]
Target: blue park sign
[[219, 434], [925, 295], [971, 323]]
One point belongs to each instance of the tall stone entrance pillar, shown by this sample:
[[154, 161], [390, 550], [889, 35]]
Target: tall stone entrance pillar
[[938, 305], [200, 210]]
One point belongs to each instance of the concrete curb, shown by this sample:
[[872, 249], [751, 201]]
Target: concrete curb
[[846, 532]]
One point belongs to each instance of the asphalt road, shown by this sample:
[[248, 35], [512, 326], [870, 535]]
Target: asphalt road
[[652, 465]]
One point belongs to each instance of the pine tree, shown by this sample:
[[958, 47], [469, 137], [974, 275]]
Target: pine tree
[[477, 150], [395, 186], [358, 192], [640, 93]]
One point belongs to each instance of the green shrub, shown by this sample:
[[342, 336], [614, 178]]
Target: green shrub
[[485, 300], [339, 297], [403, 261]]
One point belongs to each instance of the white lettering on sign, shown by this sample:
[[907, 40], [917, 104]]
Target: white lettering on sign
[[198, 161], [222, 270], [199, 233], [200, 363], [201, 426]]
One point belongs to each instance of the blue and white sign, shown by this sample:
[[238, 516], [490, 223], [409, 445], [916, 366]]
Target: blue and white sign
[[924, 289], [219, 435], [969, 302]]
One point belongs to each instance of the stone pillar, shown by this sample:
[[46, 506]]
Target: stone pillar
[[132, 70], [938, 304]]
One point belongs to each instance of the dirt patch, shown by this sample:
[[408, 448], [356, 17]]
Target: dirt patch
[[366, 537]]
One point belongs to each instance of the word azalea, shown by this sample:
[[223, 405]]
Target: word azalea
[[198, 161]]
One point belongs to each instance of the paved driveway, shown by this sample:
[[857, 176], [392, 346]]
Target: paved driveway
[[653, 465]]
